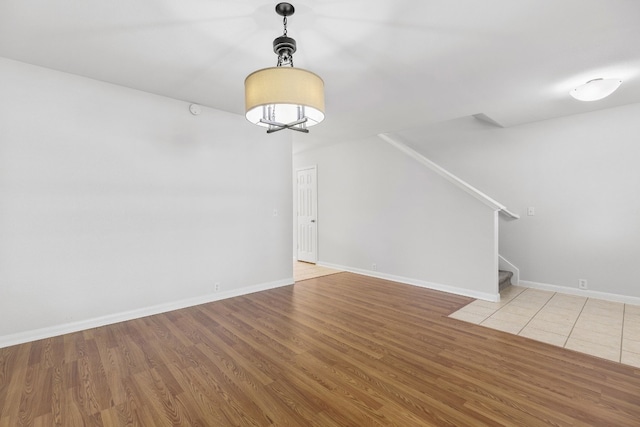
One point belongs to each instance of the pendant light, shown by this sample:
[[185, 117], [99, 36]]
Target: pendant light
[[284, 97]]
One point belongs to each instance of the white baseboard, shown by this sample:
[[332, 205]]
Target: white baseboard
[[415, 282], [52, 331], [581, 292]]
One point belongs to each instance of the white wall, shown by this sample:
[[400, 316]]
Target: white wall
[[377, 205], [116, 203], [582, 175]]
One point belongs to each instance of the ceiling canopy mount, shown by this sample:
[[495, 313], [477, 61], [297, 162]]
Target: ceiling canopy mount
[[285, 9]]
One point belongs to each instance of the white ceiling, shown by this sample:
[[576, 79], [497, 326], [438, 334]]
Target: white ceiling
[[387, 64]]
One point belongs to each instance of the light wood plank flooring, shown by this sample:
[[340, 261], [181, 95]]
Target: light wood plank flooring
[[305, 270], [339, 350]]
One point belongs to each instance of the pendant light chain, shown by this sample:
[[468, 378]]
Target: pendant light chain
[[288, 58], [285, 56]]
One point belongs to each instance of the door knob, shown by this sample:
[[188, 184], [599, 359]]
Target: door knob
[[313, 220]]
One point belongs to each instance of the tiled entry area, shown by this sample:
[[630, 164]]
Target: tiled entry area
[[304, 271], [601, 328]]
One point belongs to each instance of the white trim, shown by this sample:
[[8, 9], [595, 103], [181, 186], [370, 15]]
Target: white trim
[[463, 185], [580, 292], [510, 214], [37, 334], [496, 255], [415, 282], [505, 264], [443, 173]]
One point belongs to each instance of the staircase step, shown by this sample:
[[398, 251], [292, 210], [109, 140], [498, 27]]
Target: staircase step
[[504, 279]]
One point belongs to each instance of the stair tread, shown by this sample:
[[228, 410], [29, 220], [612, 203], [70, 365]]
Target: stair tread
[[504, 279], [503, 274]]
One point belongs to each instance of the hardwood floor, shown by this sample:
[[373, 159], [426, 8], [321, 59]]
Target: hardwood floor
[[339, 350]]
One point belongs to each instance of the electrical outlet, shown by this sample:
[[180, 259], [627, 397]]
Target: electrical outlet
[[582, 284], [216, 286], [374, 266], [531, 211], [275, 212]]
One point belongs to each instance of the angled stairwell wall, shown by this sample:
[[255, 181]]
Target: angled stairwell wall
[[580, 173], [382, 213]]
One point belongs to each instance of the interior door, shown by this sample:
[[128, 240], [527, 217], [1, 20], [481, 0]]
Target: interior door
[[307, 214]]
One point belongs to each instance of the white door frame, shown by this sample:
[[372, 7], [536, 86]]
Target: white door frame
[[306, 217]]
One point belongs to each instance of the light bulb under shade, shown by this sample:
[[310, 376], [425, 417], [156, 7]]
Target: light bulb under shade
[[284, 90], [595, 89]]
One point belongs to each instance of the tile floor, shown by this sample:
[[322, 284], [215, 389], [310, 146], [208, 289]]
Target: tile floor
[[305, 270], [600, 328]]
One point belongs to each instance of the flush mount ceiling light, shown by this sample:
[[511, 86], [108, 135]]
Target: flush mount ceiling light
[[595, 89], [283, 97]]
